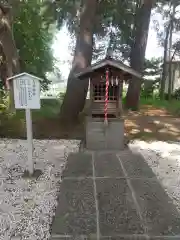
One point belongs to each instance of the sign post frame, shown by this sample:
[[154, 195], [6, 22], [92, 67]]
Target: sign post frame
[[29, 140]]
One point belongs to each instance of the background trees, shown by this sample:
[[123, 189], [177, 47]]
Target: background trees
[[170, 14], [117, 23], [26, 39], [33, 35], [126, 23], [27, 31], [137, 59], [77, 90], [9, 55]]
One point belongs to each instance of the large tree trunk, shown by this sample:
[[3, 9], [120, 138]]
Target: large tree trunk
[[7, 42], [164, 72], [170, 49], [75, 96], [9, 54], [138, 52], [167, 48]]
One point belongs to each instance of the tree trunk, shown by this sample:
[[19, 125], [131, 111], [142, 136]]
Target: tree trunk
[[76, 92], [9, 50], [164, 72], [170, 49], [138, 52], [7, 41]]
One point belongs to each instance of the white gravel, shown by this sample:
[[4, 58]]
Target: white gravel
[[27, 206], [164, 160]]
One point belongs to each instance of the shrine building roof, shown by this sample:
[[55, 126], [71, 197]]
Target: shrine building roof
[[108, 63]]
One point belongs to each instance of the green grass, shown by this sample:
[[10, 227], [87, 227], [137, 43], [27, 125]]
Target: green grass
[[13, 125], [49, 109], [172, 106]]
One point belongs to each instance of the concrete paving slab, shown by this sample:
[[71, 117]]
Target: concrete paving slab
[[157, 208], [165, 238], [107, 164], [78, 165], [73, 238], [135, 165], [76, 213], [117, 212], [132, 237], [58, 238]]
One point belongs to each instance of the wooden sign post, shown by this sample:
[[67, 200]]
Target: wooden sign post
[[26, 88]]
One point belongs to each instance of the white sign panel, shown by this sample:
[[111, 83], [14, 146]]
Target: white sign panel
[[26, 92]]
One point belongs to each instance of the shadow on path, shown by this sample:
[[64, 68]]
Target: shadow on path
[[113, 196]]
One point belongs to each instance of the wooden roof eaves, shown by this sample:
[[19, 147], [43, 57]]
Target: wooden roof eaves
[[113, 63]]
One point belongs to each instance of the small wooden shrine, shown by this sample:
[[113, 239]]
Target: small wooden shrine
[[106, 88]]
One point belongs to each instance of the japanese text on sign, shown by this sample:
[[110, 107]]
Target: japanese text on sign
[[26, 92]]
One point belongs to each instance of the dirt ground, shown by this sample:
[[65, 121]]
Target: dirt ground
[[149, 123]]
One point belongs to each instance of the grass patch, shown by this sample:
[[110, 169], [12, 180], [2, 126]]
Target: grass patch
[[172, 106], [14, 125], [49, 109], [46, 123]]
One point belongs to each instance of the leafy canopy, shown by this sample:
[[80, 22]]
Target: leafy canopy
[[33, 37]]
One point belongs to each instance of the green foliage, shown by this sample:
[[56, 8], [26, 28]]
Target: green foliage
[[49, 109], [153, 68], [152, 72], [115, 24], [14, 125], [61, 96], [115, 18], [165, 8], [176, 94], [33, 39], [148, 89], [4, 101]]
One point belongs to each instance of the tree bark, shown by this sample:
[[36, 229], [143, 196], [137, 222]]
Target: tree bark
[[138, 52], [7, 41], [10, 64], [76, 92], [170, 49], [164, 72]]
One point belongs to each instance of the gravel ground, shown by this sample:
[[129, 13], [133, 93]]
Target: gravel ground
[[27, 206], [164, 160]]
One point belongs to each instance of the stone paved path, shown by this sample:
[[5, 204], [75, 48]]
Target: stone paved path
[[113, 196]]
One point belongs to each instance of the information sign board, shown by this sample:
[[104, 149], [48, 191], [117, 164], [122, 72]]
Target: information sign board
[[26, 88], [26, 91]]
